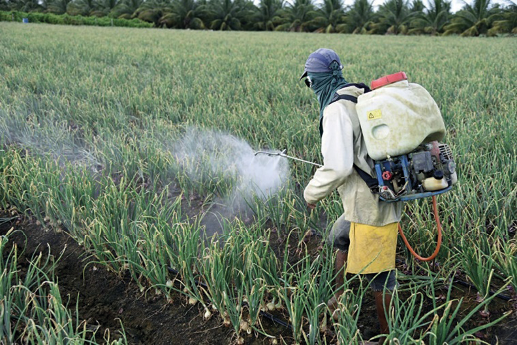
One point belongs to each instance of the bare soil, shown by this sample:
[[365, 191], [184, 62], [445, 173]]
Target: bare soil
[[105, 298]]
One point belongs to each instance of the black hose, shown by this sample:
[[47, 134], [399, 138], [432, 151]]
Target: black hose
[[275, 319], [464, 283], [491, 293], [173, 271], [261, 313]]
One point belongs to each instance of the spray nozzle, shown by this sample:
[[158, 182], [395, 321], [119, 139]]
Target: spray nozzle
[[283, 154], [271, 153]]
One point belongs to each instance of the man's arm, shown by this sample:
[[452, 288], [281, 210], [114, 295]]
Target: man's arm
[[337, 148]]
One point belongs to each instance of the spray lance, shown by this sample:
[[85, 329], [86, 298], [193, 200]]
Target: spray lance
[[283, 153]]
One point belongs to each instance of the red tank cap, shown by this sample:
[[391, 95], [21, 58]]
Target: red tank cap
[[389, 79]]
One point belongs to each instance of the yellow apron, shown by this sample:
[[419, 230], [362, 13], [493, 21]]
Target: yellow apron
[[372, 248]]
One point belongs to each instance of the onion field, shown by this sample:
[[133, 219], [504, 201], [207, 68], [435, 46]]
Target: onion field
[[139, 144]]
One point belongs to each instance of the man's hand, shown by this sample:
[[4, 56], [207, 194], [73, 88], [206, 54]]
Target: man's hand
[[311, 206]]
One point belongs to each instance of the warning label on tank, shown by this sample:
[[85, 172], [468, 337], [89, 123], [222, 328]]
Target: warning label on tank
[[374, 114]]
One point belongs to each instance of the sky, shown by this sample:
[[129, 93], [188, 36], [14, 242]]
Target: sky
[[456, 4]]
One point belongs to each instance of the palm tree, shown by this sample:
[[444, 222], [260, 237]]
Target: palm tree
[[152, 10], [185, 14], [330, 17], [508, 22], [44, 5], [82, 7], [58, 6], [268, 14], [298, 16], [4, 5], [360, 16], [417, 6], [26, 5], [473, 20], [229, 14], [126, 8], [104, 7], [434, 18], [395, 16]]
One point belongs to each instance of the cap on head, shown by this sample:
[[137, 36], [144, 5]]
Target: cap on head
[[320, 61]]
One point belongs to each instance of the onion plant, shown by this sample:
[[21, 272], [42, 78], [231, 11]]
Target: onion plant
[[447, 329], [188, 247], [295, 285], [31, 308], [477, 265], [214, 272], [506, 260], [318, 292], [348, 311]]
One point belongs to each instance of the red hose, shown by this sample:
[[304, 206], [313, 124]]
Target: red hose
[[437, 219]]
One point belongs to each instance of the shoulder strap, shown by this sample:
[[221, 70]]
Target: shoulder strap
[[338, 97], [335, 98], [371, 182], [363, 86], [353, 99]]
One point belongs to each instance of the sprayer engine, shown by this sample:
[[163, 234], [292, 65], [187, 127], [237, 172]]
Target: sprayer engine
[[427, 171]]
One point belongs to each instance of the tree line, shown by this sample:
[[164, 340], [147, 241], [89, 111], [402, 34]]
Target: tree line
[[480, 17]]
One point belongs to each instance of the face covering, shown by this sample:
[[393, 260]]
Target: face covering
[[325, 85]]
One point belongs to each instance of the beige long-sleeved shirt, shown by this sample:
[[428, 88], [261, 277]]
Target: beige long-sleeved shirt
[[342, 146]]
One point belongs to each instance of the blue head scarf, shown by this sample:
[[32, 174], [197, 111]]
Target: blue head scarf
[[325, 84]]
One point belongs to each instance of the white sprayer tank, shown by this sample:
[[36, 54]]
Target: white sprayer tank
[[397, 117]]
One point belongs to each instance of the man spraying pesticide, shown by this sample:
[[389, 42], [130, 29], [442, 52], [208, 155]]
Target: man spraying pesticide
[[377, 154]]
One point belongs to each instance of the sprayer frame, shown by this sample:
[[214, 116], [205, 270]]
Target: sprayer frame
[[409, 187]]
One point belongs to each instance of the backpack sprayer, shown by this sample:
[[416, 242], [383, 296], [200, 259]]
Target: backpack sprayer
[[401, 126]]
